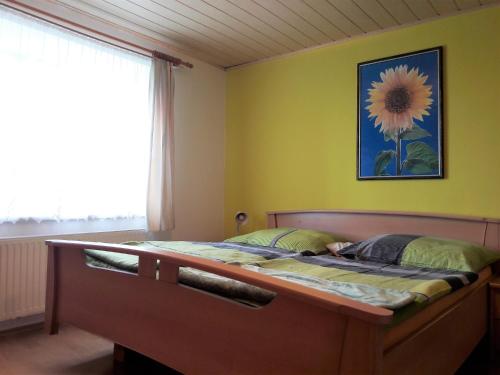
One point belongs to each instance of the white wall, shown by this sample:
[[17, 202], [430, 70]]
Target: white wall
[[199, 129], [199, 153]]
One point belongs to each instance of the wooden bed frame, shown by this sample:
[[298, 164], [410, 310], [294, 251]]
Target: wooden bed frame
[[301, 331]]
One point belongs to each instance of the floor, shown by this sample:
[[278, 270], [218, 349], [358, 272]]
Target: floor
[[31, 352], [71, 352], [75, 352]]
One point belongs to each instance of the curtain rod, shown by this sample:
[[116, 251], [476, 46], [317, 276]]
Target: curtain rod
[[148, 52]]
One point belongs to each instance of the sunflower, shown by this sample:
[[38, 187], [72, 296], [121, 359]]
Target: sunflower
[[399, 98]]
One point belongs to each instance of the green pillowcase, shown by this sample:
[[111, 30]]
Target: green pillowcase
[[422, 251], [448, 254], [305, 241]]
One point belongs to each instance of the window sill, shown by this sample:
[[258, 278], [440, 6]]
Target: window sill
[[53, 228]]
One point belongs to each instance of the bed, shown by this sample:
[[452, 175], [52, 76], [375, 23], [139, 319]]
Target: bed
[[302, 330]]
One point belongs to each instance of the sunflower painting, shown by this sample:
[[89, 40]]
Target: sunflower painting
[[400, 117]]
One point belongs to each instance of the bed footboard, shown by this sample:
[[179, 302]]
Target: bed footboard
[[300, 331]]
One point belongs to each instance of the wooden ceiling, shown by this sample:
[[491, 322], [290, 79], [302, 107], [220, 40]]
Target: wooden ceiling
[[232, 32]]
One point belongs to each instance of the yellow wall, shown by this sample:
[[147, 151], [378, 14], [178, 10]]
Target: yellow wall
[[291, 126]]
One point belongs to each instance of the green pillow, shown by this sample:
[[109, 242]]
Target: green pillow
[[448, 254], [422, 251], [304, 241]]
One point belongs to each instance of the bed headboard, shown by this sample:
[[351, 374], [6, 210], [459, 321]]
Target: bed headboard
[[360, 225]]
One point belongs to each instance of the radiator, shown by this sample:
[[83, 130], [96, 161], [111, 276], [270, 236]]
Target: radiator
[[23, 270]]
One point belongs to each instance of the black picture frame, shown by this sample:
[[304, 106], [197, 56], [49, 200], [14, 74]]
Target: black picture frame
[[393, 92]]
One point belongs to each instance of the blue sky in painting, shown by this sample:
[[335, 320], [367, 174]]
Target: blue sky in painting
[[371, 140]]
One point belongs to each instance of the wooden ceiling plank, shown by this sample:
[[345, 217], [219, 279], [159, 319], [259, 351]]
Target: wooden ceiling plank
[[230, 44], [422, 9], [245, 42], [286, 14], [275, 21], [158, 23], [260, 42], [315, 18], [444, 6], [377, 12], [399, 10], [117, 17], [328, 11], [234, 10], [352, 11], [228, 9], [467, 4]]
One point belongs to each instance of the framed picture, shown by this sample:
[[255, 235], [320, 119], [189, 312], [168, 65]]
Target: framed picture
[[400, 117]]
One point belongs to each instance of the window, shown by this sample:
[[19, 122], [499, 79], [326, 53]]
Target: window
[[74, 126]]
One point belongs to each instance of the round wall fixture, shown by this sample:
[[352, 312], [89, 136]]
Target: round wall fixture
[[241, 218]]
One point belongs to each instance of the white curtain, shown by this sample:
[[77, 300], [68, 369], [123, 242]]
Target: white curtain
[[160, 206], [74, 125]]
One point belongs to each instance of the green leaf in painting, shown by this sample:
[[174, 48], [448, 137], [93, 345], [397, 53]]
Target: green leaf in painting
[[421, 150], [416, 132], [388, 136], [382, 160], [420, 158], [417, 166]]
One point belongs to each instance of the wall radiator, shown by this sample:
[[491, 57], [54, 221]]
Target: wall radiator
[[23, 270]]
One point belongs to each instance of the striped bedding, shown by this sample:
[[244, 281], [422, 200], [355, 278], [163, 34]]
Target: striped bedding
[[425, 284], [227, 253], [382, 285]]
